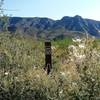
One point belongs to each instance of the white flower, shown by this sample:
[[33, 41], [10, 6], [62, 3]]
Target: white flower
[[62, 73], [81, 46], [16, 78], [76, 54], [72, 47], [80, 56], [71, 59], [76, 40], [93, 80], [74, 84], [6, 73], [53, 47], [61, 92], [18, 65]]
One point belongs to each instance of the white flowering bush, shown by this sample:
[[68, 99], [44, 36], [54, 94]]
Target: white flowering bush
[[86, 56]]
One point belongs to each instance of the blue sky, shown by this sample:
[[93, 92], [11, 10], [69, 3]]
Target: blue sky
[[54, 9]]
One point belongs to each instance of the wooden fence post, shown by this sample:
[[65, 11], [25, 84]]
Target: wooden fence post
[[48, 58]]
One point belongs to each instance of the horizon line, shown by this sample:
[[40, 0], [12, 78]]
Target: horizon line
[[53, 18]]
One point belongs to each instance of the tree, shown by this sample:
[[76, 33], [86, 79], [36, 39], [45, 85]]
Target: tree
[[1, 8], [3, 17]]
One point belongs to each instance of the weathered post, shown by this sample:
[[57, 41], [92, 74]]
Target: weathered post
[[48, 58]]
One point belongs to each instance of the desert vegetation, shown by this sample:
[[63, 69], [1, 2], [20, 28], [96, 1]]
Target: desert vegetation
[[75, 74]]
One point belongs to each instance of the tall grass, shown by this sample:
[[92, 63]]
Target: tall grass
[[74, 76]]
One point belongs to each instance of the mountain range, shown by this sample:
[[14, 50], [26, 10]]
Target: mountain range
[[49, 28]]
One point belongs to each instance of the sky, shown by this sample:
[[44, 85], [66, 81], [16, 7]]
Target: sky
[[55, 9]]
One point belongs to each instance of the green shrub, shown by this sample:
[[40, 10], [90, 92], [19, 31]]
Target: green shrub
[[74, 76]]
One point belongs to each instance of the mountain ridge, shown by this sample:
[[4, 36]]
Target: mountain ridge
[[42, 27]]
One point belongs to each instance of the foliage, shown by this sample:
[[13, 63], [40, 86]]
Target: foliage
[[75, 73], [1, 8]]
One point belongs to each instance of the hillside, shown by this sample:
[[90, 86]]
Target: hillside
[[48, 28]]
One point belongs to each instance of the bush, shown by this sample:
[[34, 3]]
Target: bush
[[75, 73]]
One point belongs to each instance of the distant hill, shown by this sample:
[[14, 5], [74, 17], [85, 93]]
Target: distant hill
[[48, 28]]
